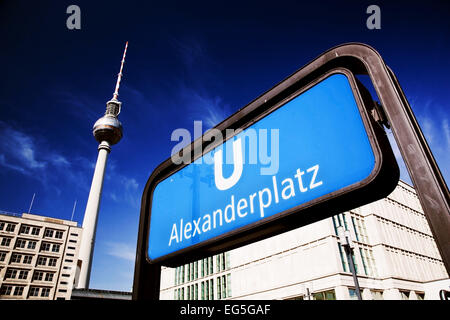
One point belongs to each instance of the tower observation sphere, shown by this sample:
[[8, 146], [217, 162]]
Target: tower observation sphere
[[108, 128]]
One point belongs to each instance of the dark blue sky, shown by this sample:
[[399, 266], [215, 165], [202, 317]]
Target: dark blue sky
[[186, 61]]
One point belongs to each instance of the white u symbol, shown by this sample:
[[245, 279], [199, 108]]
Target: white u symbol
[[226, 183]]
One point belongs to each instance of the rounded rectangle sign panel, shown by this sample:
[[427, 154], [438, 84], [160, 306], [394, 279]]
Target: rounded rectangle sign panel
[[313, 146]]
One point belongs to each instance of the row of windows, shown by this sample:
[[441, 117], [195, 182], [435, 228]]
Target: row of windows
[[27, 259], [406, 196], [17, 291], [7, 226], [19, 274], [410, 265], [31, 230], [375, 295], [368, 261], [191, 292], [357, 222], [378, 294], [365, 252], [414, 219], [397, 235], [322, 295], [30, 244], [190, 272]]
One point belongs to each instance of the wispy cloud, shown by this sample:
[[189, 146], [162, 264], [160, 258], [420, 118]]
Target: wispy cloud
[[33, 157], [80, 105], [190, 50], [200, 104], [434, 120], [18, 150], [125, 189], [121, 250], [210, 109]]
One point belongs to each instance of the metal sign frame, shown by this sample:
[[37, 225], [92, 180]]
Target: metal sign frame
[[381, 181], [358, 59]]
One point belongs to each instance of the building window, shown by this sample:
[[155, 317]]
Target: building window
[[376, 294], [24, 229], [42, 261], [211, 289], [420, 295], [223, 286], [58, 234], [6, 290], [56, 247], [18, 291], [211, 267], [23, 274], [404, 294], [219, 291], [49, 277], [228, 286], [5, 242], [48, 233], [352, 293], [38, 275], [45, 246], [27, 259], [16, 257], [2, 255], [21, 243], [31, 245], [52, 262], [34, 292], [343, 258], [10, 273], [360, 229], [324, 295], [10, 227], [301, 297], [2, 225], [45, 292], [35, 231], [188, 272]]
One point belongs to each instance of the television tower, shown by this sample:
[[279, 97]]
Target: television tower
[[107, 131]]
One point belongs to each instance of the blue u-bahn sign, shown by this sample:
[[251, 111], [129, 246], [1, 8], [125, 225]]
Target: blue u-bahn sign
[[307, 156]]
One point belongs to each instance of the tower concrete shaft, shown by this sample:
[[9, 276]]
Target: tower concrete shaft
[[91, 217], [107, 131]]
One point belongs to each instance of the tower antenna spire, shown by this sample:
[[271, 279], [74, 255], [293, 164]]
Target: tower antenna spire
[[119, 76]]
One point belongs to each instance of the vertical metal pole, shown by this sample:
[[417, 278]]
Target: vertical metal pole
[[422, 167], [428, 181], [31, 204], [348, 251], [73, 210]]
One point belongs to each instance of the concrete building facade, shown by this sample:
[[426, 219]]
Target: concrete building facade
[[38, 256], [394, 252]]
